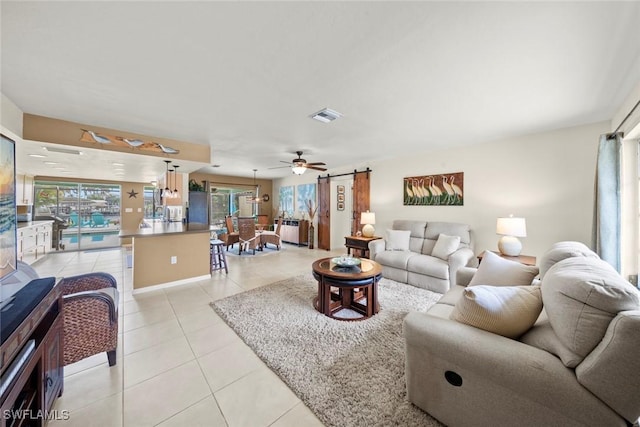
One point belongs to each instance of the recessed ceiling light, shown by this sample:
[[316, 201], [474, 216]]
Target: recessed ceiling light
[[117, 164], [326, 115], [50, 163], [39, 156], [63, 151]]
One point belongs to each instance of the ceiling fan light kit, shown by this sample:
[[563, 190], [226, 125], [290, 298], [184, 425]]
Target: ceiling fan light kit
[[298, 169]]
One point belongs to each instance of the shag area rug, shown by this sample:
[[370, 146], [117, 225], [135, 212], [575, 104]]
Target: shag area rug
[[347, 373]]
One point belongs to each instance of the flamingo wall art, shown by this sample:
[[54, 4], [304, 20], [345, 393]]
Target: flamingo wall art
[[446, 189], [92, 137]]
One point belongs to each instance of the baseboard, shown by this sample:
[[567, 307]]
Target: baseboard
[[170, 284]]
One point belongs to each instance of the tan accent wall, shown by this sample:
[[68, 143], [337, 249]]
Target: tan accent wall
[[152, 258], [39, 128], [135, 204]]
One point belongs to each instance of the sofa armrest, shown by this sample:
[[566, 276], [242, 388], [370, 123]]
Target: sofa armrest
[[457, 260], [375, 247], [504, 377], [612, 369]]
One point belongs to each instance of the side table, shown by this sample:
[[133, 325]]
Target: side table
[[522, 259], [359, 244]]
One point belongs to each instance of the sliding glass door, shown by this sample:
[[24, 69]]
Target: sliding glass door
[[236, 202], [86, 215]]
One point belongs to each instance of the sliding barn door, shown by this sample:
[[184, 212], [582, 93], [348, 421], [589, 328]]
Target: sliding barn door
[[361, 186], [324, 213]]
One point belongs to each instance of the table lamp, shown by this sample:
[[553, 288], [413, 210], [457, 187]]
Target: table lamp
[[510, 228], [367, 219]]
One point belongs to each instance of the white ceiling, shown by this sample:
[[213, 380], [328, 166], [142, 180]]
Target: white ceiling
[[245, 76]]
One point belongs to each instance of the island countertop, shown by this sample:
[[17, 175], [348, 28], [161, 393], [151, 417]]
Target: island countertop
[[164, 229]]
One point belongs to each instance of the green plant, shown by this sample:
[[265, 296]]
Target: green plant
[[194, 186]]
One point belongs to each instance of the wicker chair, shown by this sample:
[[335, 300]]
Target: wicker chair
[[231, 237], [90, 316], [272, 237], [247, 234]]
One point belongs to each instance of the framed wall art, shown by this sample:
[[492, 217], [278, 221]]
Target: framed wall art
[[445, 189], [305, 192], [8, 228], [340, 197], [340, 206], [286, 200], [340, 189]]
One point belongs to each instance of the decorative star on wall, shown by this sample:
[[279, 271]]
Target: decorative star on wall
[[132, 193]]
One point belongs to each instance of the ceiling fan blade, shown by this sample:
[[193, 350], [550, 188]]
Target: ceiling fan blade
[[280, 167], [316, 164], [316, 168], [282, 161]]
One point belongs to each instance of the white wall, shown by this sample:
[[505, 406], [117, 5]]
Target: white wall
[[547, 178], [11, 117]]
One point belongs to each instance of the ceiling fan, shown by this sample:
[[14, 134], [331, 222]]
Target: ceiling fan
[[300, 165]]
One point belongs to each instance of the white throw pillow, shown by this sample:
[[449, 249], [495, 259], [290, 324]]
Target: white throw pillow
[[445, 246], [509, 311], [497, 271], [398, 240]]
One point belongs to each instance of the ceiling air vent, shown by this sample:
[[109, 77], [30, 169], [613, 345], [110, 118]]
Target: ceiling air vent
[[326, 115]]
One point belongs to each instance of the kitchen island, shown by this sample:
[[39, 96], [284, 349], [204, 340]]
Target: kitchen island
[[168, 253]]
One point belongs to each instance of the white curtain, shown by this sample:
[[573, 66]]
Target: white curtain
[[607, 215]]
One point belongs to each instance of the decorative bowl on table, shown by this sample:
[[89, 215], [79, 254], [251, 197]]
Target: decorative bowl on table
[[344, 261]]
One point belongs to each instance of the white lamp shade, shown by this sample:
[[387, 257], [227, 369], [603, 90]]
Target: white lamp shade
[[298, 170], [368, 218], [511, 227]]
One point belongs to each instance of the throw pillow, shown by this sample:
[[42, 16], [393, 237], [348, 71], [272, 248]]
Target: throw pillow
[[504, 310], [398, 240], [497, 271], [445, 246]]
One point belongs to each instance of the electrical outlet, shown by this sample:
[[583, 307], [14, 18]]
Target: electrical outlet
[[174, 260]]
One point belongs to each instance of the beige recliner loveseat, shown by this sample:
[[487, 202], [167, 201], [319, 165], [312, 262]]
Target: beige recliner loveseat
[[425, 254], [579, 364]]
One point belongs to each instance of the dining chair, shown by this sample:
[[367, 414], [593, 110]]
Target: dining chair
[[231, 237], [272, 237], [249, 239]]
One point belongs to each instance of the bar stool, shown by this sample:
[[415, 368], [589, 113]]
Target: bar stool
[[218, 258]]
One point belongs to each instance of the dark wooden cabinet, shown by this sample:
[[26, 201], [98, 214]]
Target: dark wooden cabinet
[[52, 362], [31, 365]]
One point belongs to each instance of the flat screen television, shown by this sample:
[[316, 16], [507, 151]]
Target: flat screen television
[[8, 248]]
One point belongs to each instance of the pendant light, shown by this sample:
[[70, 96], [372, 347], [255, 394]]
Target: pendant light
[[255, 198], [175, 179], [167, 190]]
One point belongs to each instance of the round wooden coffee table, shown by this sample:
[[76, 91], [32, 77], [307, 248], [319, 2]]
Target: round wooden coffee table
[[341, 288]]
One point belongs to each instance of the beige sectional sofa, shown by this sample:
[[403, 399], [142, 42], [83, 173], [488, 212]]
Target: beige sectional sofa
[[417, 261], [579, 365]]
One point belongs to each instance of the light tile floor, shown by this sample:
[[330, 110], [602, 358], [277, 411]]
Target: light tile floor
[[178, 363]]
